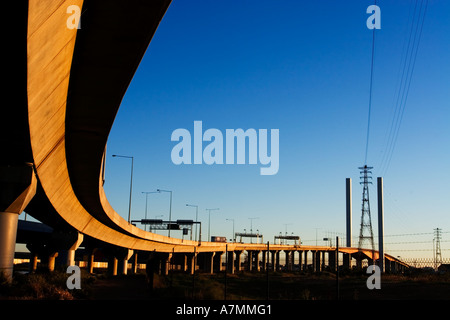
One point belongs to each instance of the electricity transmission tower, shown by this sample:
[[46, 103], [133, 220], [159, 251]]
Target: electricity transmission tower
[[366, 233], [437, 253]]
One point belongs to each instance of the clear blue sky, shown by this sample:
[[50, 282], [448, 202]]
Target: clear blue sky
[[302, 67]]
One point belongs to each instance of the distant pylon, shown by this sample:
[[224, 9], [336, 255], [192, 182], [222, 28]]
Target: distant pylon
[[437, 253], [366, 233]]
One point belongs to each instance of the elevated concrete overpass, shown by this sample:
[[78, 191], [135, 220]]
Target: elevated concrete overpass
[[68, 85]]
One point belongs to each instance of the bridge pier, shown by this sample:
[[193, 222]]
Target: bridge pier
[[300, 260], [256, 261], [164, 261], [264, 260], [134, 263], [238, 260], [192, 261], [208, 261], [17, 188], [306, 261], [118, 260], [230, 262], [332, 260], [112, 266], [249, 260], [277, 260], [217, 259], [346, 260], [316, 261], [123, 262], [67, 244], [91, 260]]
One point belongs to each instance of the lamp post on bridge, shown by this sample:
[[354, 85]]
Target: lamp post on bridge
[[233, 238], [251, 226], [196, 218], [209, 222], [146, 198], [170, 208], [131, 182]]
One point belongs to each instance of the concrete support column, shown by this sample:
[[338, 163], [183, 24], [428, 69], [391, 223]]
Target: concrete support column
[[387, 265], [238, 260], [192, 259], [217, 261], [123, 265], [256, 260], [332, 260], [272, 260], [287, 260], [134, 263], [348, 205], [33, 261], [184, 263], [8, 232], [165, 263], [51, 261], [347, 260], [17, 188], [322, 260], [306, 261], [287, 263], [316, 260], [250, 261], [230, 262], [69, 254], [359, 264], [277, 261], [264, 261], [292, 260], [91, 260], [209, 262], [300, 267], [112, 265]]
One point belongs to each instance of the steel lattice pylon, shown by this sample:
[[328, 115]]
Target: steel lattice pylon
[[437, 253], [366, 233]]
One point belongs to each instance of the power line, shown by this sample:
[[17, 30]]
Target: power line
[[403, 92], [370, 92]]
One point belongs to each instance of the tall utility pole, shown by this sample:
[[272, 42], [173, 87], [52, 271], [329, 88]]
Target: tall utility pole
[[209, 222], [366, 233], [437, 253]]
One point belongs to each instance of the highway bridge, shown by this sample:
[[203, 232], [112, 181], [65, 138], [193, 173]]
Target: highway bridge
[[66, 86]]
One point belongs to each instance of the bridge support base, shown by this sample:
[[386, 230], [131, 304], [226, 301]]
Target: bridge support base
[[17, 188], [8, 232]]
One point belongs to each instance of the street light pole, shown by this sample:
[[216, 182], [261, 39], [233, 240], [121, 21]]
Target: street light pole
[[251, 227], [233, 229], [196, 218], [209, 222], [170, 208], [146, 198], [131, 182]]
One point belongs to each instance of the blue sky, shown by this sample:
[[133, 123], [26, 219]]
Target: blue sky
[[302, 67]]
